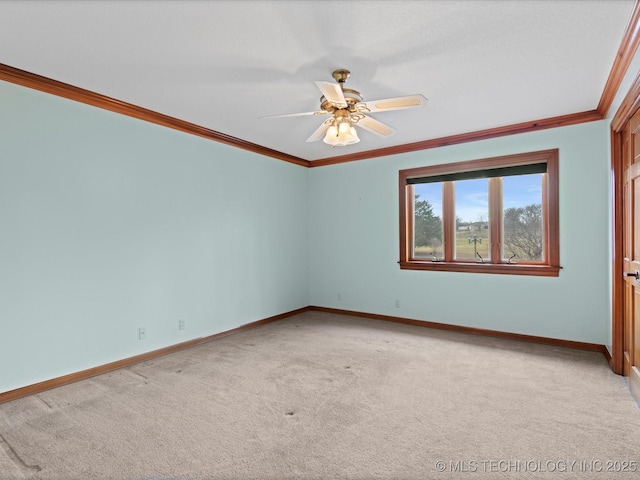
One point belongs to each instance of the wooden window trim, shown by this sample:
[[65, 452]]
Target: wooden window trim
[[550, 206], [449, 218], [495, 211]]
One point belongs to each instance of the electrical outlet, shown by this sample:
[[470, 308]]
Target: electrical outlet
[[397, 303], [142, 333], [182, 324]]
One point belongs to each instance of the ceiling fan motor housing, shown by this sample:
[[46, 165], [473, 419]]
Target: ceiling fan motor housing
[[352, 97]]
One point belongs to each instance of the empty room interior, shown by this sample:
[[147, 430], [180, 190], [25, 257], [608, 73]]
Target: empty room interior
[[269, 239]]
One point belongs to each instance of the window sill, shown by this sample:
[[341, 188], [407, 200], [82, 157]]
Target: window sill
[[495, 268]]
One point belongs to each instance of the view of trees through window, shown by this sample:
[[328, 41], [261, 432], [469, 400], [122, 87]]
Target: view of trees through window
[[522, 226], [522, 222], [495, 215], [522, 233], [427, 225]]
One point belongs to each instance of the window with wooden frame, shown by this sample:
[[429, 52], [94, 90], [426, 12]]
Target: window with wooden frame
[[495, 215]]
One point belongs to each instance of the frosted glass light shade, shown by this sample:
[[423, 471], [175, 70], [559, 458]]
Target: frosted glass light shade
[[342, 135]]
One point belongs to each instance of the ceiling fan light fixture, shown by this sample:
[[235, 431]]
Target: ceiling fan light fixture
[[344, 127], [332, 135], [353, 137], [346, 108], [341, 133]]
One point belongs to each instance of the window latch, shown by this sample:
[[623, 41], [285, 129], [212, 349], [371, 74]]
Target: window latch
[[480, 257]]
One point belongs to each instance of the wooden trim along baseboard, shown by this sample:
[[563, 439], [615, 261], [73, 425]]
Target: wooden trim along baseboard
[[556, 342], [627, 50], [546, 123], [60, 89], [608, 358], [126, 362]]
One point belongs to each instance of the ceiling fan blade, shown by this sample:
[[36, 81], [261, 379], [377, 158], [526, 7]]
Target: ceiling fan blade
[[333, 93], [320, 112], [320, 131], [397, 103], [375, 126]]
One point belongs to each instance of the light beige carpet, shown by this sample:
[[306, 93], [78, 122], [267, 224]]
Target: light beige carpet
[[321, 396]]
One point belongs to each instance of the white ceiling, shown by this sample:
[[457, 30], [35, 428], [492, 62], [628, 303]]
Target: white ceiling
[[223, 64]]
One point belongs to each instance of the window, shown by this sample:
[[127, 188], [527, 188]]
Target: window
[[496, 215]]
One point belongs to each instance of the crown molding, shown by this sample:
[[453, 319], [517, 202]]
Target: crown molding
[[551, 122], [626, 52], [60, 89]]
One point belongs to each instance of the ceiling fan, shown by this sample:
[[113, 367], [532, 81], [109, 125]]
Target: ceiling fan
[[347, 109]]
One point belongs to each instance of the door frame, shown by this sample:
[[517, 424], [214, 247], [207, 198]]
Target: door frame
[[629, 106]]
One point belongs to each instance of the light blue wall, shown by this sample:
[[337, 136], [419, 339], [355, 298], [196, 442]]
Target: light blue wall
[[108, 223], [354, 244]]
